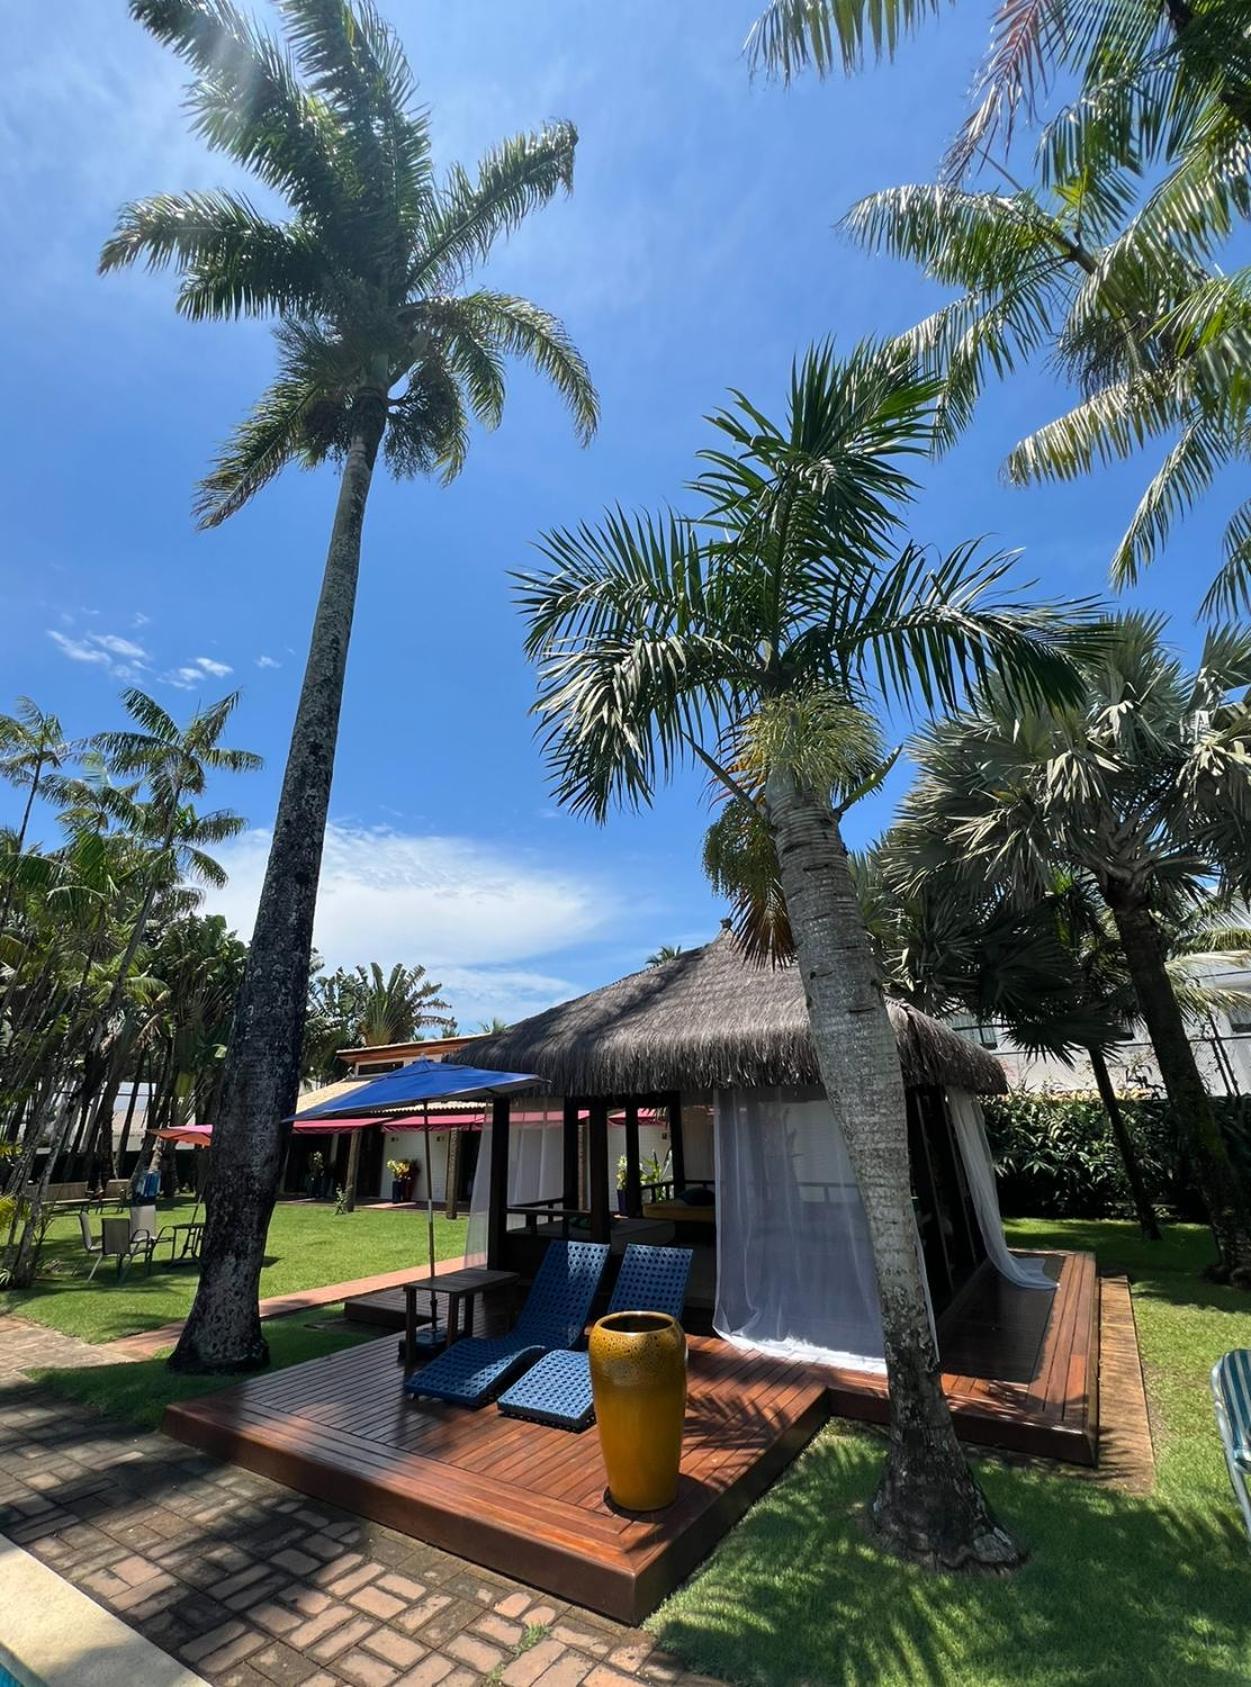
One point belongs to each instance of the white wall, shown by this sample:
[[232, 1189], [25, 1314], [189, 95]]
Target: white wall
[[408, 1145], [1223, 1055]]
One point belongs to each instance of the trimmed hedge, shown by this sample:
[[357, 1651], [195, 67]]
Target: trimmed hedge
[[1056, 1157]]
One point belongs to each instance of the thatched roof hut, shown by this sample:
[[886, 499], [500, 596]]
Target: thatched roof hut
[[708, 1019]]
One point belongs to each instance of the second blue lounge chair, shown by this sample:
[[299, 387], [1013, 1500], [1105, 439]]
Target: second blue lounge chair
[[557, 1390], [472, 1371]]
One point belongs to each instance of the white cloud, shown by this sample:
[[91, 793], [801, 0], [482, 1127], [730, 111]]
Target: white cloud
[[485, 993], [471, 913], [103, 650], [78, 650], [267, 662], [139, 619], [195, 672], [120, 646]]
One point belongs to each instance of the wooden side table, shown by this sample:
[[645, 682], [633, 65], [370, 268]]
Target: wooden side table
[[460, 1288]]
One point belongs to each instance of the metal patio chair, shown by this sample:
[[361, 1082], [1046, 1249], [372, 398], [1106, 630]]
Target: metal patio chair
[[117, 1242], [1231, 1395], [473, 1371], [557, 1391]]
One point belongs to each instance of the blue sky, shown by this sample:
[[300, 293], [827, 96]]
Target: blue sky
[[697, 251]]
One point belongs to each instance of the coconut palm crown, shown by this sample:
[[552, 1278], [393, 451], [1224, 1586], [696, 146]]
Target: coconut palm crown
[[365, 274]]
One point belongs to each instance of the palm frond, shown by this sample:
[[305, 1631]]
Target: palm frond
[[269, 437], [470, 215], [518, 328], [1185, 474], [233, 259], [1017, 69], [247, 100], [357, 66], [791, 36]]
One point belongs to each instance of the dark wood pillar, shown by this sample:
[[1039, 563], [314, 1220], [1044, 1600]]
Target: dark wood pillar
[[569, 1146], [497, 1217], [677, 1148], [597, 1165], [633, 1189], [451, 1176]]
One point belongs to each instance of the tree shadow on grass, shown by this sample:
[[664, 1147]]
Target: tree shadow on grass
[[1117, 1589]]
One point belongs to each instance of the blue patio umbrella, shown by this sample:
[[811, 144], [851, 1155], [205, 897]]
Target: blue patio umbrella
[[418, 1084]]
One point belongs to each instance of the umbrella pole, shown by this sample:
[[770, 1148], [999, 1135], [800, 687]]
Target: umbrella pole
[[430, 1217]]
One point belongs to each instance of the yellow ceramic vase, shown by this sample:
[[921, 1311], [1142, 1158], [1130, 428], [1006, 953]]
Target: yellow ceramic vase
[[638, 1379]]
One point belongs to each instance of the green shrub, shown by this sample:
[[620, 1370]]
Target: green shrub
[[1056, 1157]]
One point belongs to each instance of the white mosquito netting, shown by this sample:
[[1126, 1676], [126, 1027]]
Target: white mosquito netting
[[535, 1173], [979, 1169], [794, 1266], [795, 1271]]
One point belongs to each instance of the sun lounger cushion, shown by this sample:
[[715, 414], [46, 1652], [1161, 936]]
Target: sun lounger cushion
[[557, 1390], [473, 1371], [1232, 1385]]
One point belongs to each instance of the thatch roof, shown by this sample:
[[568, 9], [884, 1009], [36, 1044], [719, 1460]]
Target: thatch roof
[[708, 1019], [328, 1092]]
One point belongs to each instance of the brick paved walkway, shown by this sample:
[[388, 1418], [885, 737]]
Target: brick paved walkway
[[26, 1346], [253, 1586]]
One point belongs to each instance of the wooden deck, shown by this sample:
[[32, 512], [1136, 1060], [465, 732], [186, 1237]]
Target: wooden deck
[[516, 1497], [506, 1494], [1021, 1371]]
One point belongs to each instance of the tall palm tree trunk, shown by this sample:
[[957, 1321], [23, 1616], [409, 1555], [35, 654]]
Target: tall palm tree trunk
[[1215, 1172], [1148, 1222], [262, 1068], [927, 1505]]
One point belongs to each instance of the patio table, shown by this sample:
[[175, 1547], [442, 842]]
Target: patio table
[[460, 1287]]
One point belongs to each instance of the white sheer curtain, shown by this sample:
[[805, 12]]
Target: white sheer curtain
[[795, 1270], [979, 1168], [535, 1173]]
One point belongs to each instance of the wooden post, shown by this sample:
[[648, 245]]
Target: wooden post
[[677, 1148], [497, 1217], [597, 1161], [569, 1147], [633, 1187], [353, 1171], [451, 1175]]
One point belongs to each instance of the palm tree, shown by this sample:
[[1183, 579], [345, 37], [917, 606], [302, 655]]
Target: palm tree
[[1151, 79], [396, 1006], [175, 763], [1109, 267], [1144, 788], [1155, 344], [32, 745], [666, 952], [759, 640], [378, 351], [392, 1009]]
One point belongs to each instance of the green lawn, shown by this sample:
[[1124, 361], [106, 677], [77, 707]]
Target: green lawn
[[1117, 1589], [140, 1391], [308, 1246]]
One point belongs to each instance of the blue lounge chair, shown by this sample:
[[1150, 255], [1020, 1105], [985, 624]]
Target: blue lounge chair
[[557, 1390], [1231, 1395], [472, 1371]]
